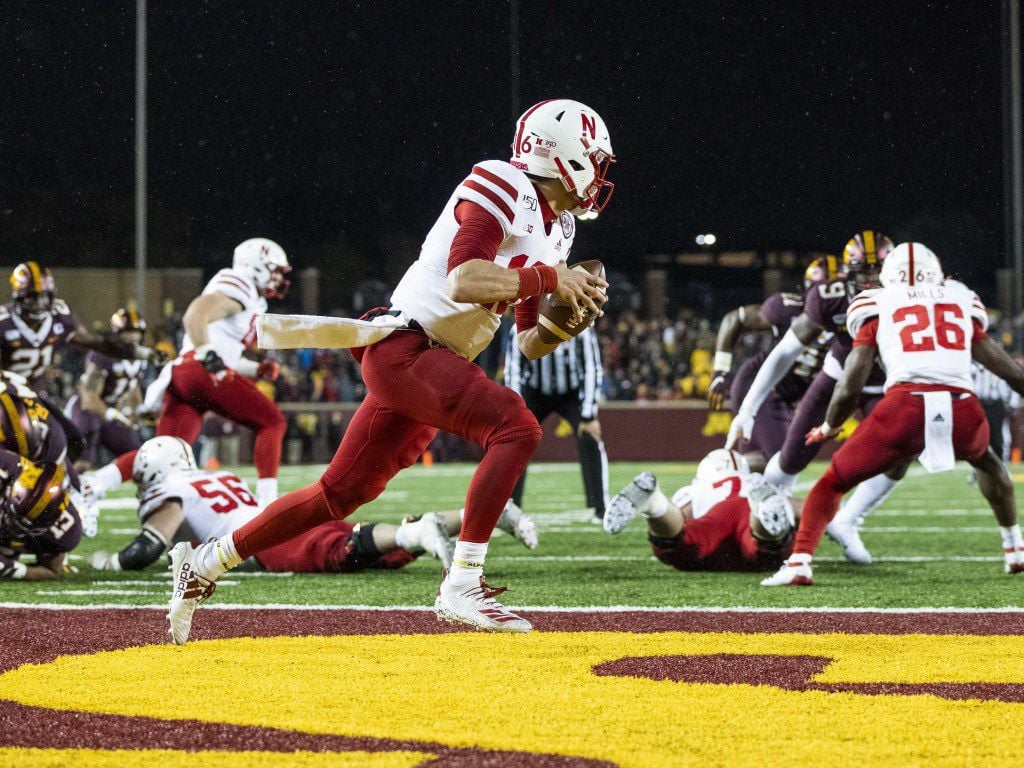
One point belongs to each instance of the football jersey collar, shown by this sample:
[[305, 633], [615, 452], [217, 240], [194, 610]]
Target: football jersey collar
[[547, 215], [35, 338]]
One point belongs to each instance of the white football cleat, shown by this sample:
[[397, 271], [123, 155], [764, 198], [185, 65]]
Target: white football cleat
[[88, 513], [475, 604], [1013, 560], [190, 591], [795, 573], [429, 534], [91, 493], [633, 500], [848, 537], [518, 525]]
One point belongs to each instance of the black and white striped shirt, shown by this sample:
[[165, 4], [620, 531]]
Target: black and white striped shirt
[[574, 366], [990, 388]]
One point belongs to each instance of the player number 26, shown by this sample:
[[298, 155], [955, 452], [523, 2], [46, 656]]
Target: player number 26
[[224, 492], [916, 335]]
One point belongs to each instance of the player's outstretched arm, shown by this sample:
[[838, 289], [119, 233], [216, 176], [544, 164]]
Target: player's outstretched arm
[[90, 389], [989, 354], [847, 393], [747, 318], [146, 548], [801, 333], [113, 346]]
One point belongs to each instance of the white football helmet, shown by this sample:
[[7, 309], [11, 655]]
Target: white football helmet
[[563, 139], [721, 463], [911, 264], [160, 457], [267, 263]]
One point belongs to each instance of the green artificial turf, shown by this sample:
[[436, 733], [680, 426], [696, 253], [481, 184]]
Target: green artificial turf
[[577, 564]]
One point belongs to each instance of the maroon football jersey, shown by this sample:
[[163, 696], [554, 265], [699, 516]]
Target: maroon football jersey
[[826, 305], [30, 353], [122, 375], [61, 531], [780, 310]]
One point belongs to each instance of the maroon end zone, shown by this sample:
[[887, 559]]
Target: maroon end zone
[[32, 635]]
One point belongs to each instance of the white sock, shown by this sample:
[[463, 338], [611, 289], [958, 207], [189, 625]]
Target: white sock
[[400, 536], [782, 480], [462, 514], [105, 478], [865, 499], [266, 490], [468, 563], [658, 505], [1012, 538], [799, 558], [216, 557]]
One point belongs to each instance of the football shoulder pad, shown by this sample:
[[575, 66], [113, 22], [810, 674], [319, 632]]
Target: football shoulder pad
[[863, 307]]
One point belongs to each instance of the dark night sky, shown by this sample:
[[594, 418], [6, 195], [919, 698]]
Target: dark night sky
[[340, 129]]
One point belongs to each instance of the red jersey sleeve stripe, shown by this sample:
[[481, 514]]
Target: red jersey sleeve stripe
[[493, 197], [497, 181], [234, 282]]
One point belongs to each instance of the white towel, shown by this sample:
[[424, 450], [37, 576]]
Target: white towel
[[938, 454], [312, 331]]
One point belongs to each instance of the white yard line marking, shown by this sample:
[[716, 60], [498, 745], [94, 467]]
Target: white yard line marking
[[532, 608]]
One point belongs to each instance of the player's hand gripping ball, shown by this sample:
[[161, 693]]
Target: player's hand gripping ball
[[557, 318]]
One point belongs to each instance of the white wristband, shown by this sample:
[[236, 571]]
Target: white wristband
[[200, 351], [112, 414], [723, 361], [826, 428], [20, 569], [247, 368]]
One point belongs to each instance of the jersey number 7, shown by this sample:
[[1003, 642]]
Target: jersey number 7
[[915, 336]]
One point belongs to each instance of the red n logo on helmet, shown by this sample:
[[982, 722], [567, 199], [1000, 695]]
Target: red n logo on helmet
[[589, 125]]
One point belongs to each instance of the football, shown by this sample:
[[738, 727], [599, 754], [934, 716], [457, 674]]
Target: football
[[554, 322]]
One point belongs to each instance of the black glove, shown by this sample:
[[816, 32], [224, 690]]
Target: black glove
[[212, 362]]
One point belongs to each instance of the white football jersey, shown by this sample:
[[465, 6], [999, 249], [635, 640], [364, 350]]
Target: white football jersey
[[508, 194], [233, 334], [213, 503], [924, 332], [704, 496]]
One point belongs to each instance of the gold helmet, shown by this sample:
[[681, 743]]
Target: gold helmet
[[863, 257], [821, 270], [32, 287]]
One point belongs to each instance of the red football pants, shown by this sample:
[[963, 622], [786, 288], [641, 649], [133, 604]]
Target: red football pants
[[891, 436], [192, 392], [414, 388], [325, 549]]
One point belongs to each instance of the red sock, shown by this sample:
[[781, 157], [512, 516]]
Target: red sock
[[820, 507], [124, 463], [266, 450], [291, 515], [493, 483]]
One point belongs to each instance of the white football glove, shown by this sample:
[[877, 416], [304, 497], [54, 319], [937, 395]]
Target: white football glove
[[741, 427], [104, 561]]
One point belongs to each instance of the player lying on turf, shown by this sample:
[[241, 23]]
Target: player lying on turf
[[179, 500], [775, 314], [825, 307], [727, 519], [38, 516], [926, 330]]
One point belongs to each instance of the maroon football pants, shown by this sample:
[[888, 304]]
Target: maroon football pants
[[892, 435], [193, 392], [415, 387]]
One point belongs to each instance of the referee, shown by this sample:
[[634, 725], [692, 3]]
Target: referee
[[566, 382], [997, 399]]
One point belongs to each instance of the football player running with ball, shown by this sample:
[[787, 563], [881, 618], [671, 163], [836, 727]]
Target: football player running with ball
[[502, 239], [926, 329]]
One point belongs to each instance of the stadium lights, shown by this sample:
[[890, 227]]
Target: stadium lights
[[706, 239]]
